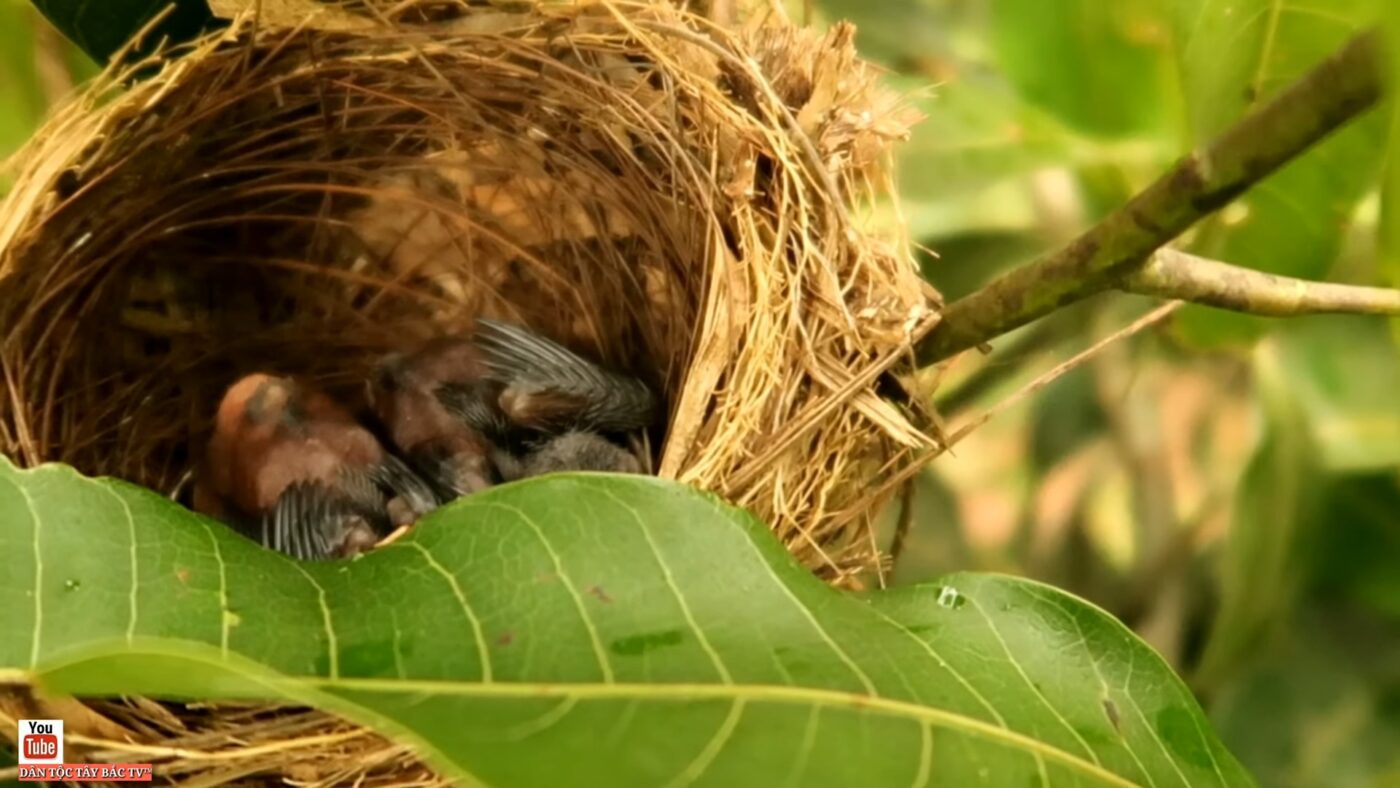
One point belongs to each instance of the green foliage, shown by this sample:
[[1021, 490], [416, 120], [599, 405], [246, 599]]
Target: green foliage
[[1349, 398], [593, 630], [1389, 231], [101, 27], [1098, 66], [1276, 499], [977, 132], [21, 99], [1320, 708]]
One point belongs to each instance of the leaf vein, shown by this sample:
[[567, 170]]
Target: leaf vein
[[670, 579], [224, 623], [1015, 663], [332, 645], [801, 608], [696, 768], [944, 663], [603, 663], [475, 623]]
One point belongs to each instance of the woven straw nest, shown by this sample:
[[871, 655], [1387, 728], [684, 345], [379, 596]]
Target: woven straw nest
[[679, 198]]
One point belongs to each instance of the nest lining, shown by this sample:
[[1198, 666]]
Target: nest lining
[[675, 199]]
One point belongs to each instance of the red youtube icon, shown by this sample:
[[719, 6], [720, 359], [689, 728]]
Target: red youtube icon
[[41, 746]]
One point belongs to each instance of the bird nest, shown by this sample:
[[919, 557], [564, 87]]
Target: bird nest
[[685, 201]]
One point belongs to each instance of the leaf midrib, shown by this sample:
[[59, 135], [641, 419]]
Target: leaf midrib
[[671, 692], [745, 693]]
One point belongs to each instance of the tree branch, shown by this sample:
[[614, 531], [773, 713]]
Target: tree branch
[[1334, 92], [1172, 274]]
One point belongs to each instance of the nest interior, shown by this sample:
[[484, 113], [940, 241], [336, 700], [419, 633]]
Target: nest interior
[[674, 198], [678, 199]]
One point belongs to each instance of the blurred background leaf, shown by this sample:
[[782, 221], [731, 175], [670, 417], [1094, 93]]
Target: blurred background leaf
[[1108, 75], [38, 69], [1169, 481], [101, 27]]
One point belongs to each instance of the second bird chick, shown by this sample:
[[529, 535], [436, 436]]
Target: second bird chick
[[295, 469], [504, 404], [450, 446]]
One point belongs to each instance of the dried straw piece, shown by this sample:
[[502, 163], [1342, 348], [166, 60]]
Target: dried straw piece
[[678, 199]]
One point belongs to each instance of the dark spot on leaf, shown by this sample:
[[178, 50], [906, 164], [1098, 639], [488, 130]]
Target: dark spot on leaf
[[505, 638], [601, 594], [1110, 710], [641, 644], [72, 585], [1183, 736], [919, 629], [182, 574]]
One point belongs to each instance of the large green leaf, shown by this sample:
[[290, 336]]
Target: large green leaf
[[101, 27], [596, 630], [1233, 55]]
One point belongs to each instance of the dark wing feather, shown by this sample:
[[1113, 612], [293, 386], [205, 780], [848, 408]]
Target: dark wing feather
[[310, 521], [528, 362], [394, 475], [299, 522], [473, 404]]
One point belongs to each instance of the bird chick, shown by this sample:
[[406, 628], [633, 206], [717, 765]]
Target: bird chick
[[295, 470], [548, 388], [573, 451], [436, 405]]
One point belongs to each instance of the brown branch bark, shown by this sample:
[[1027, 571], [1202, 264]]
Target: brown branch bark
[[1172, 274], [1331, 94]]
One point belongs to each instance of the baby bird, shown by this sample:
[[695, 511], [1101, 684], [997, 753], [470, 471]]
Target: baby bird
[[505, 404], [295, 470], [451, 448]]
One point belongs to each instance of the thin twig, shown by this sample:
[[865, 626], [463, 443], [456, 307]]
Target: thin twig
[[1155, 316], [1172, 274], [1333, 93], [903, 524]]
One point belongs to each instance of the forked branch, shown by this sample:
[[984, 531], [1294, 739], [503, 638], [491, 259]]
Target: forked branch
[[1108, 255]]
